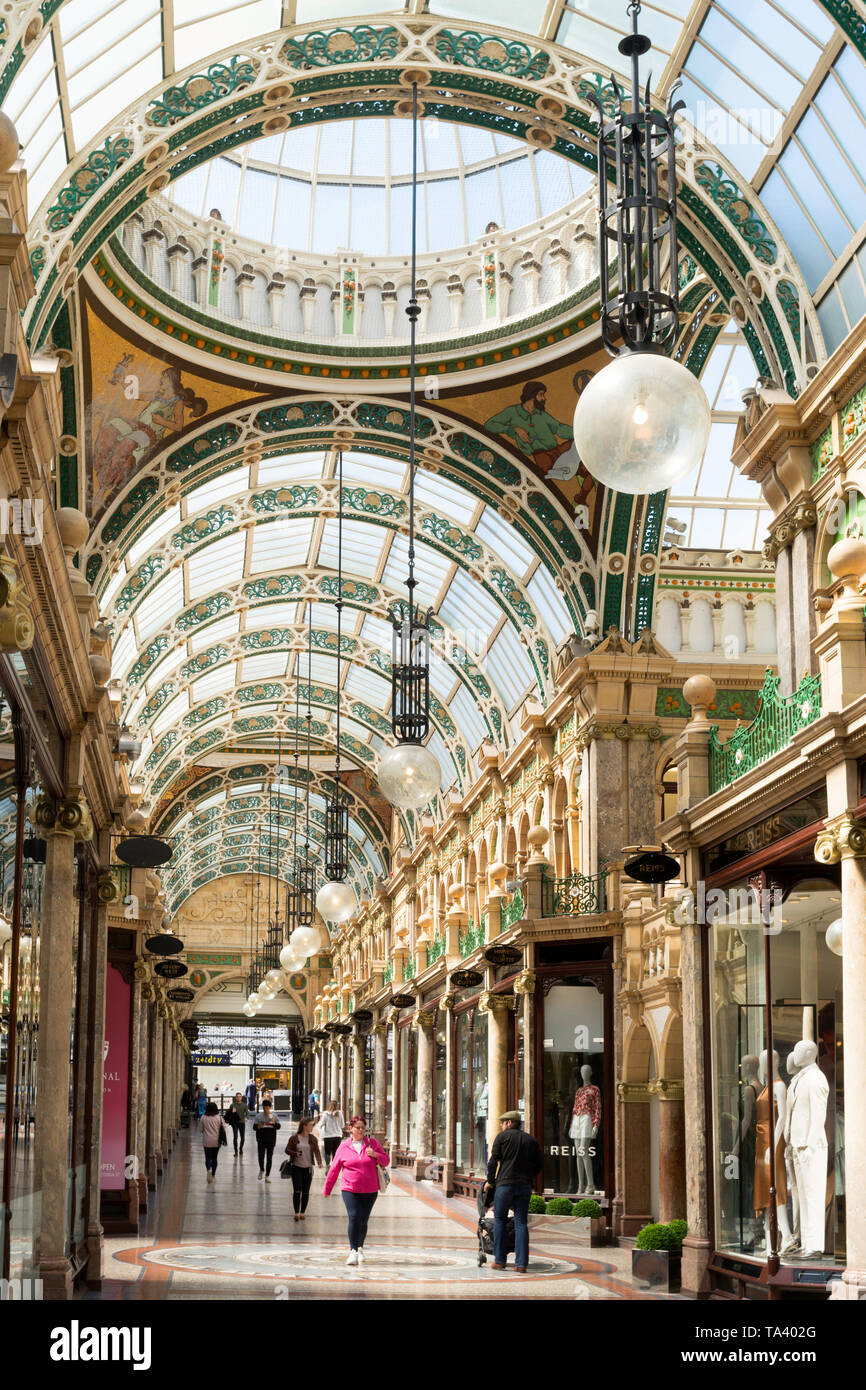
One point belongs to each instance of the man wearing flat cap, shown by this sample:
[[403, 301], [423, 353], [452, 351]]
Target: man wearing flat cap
[[515, 1162]]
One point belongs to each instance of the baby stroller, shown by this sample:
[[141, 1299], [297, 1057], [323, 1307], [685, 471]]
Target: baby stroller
[[485, 1226]]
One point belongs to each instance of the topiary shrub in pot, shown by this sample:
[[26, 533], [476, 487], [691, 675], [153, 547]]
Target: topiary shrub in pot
[[560, 1206], [589, 1223], [537, 1205], [655, 1259]]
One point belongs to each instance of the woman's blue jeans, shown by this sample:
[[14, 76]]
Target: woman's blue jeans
[[358, 1205]]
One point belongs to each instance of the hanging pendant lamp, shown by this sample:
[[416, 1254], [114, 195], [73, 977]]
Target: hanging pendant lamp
[[336, 900], [409, 774], [643, 422]]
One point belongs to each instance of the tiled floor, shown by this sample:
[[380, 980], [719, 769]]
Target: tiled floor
[[236, 1239]]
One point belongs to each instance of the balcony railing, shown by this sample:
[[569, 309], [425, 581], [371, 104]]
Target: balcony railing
[[778, 719], [579, 895], [435, 949], [409, 969], [471, 938], [512, 911], [388, 975]]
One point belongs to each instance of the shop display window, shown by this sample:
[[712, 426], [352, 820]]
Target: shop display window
[[440, 1084], [573, 1086], [472, 1090], [806, 1113]]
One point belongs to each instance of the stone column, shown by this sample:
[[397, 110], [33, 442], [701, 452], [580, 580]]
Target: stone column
[[498, 1008], [449, 1164], [672, 1149], [345, 1092], [426, 1054], [635, 1130], [156, 1157], [142, 993], [844, 839], [396, 1093], [358, 1047], [524, 990], [380, 1080], [167, 1085], [94, 1225], [334, 1049], [56, 968]]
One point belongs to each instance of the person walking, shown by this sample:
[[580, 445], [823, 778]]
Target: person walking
[[236, 1116], [266, 1138], [313, 1105], [201, 1102], [251, 1095], [515, 1162], [213, 1133], [330, 1129], [303, 1151], [359, 1160]]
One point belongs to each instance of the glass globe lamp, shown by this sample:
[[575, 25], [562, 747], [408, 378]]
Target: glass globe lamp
[[290, 959], [306, 941], [833, 937], [248, 1010], [409, 775], [265, 991], [254, 1000], [274, 978], [642, 423], [336, 901]]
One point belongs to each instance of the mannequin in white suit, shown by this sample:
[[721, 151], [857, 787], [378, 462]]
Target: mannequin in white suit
[[804, 1131]]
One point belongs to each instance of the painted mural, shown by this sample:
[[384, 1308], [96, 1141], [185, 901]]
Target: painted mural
[[135, 402]]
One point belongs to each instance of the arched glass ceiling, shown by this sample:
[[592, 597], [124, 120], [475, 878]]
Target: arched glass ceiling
[[347, 185], [715, 507], [190, 688]]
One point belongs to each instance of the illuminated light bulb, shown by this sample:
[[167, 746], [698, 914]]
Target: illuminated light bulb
[[254, 1000], [833, 937], [265, 991], [306, 941], [409, 775], [336, 901], [642, 423], [274, 978], [290, 959]]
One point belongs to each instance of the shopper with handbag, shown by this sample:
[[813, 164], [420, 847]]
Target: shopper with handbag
[[330, 1127], [266, 1139], [360, 1163], [303, 1151], [213, 1133], [236, 1116]]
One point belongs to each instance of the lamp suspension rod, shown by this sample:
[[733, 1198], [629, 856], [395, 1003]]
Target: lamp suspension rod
[[339, 608], [309, 722], [413, 312]]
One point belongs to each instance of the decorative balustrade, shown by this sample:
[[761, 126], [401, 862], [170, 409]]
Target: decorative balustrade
[[579, 895], [122, 875], [471, 939], [512, 911], [435, 949], [409, 969], [778, 719]]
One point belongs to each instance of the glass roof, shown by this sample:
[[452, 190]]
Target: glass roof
[[347, 185], [188, 691], [715, 507]]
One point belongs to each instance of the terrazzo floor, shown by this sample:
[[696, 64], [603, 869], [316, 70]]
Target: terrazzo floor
[[236, 1239]]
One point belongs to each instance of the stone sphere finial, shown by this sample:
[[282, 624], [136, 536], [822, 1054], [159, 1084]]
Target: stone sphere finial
[[847, 558], [9, 143], [73, 527], [699, 691]]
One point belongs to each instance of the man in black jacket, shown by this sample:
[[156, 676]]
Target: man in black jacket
[[515, 1162]]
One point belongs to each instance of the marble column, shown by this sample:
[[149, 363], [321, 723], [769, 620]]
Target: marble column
[[696, 1246], [672, 1149], [155, 1158], [843, 841], [334, 1068], [94, 1225], [56, 970], [424, 1146], [524, 990], [345, 1089], [396, 1131], [449, 1165], [167, 1087], [498, 1009], [140, 1078], [358, 1048], [635, 1130], [380, 1080]]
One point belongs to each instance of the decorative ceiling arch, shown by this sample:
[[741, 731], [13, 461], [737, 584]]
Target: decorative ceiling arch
[[536, 92]]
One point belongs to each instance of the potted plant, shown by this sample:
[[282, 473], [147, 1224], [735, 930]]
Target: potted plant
[[656, 1257], [537, 1208], [589, 1222]]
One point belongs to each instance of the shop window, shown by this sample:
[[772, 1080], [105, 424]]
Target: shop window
[[670, 792], [471, 1049], [440, 1083], [573, 1087], [799, 1100]]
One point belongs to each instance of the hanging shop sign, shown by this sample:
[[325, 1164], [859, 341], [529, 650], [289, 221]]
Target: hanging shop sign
[[144, 851], [211, 1059], [170, 969], [402, 1001], [362, 1015], [34, 849], [164, 944], [341, 1028], [181, 995], [466, 979], [651, 866], [502, 955], [318, 1033]]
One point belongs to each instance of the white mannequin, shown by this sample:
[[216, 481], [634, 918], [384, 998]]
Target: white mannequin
[[582, 1132], [805, 1132], [792, 1070], [780, 1093]]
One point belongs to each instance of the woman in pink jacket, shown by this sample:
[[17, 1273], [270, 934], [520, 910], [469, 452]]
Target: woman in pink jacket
[[359, 1159]]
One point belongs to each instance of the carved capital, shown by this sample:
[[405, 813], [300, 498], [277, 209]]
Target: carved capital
[[379, 1030], [424, 1018], [447, 1001], [633, 1091], [69, 816], [141, 971], [16, 620], [525, 982], [495, 1003], [666, 1090], [803, 516], [843, 837], [106, 888]]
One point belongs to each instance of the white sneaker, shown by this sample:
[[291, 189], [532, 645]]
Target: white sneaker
[[361, 1259], [353, 1257], [210, 1177], [267, 1179], [261, 1174]]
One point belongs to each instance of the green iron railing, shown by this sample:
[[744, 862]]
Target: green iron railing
[[435, 949], [409, 968], [512, 911], [575, 896], [388, 976], [471, 939], [778, 719]]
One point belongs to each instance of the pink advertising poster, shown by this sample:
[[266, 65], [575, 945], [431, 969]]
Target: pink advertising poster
[[115, 1082]]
